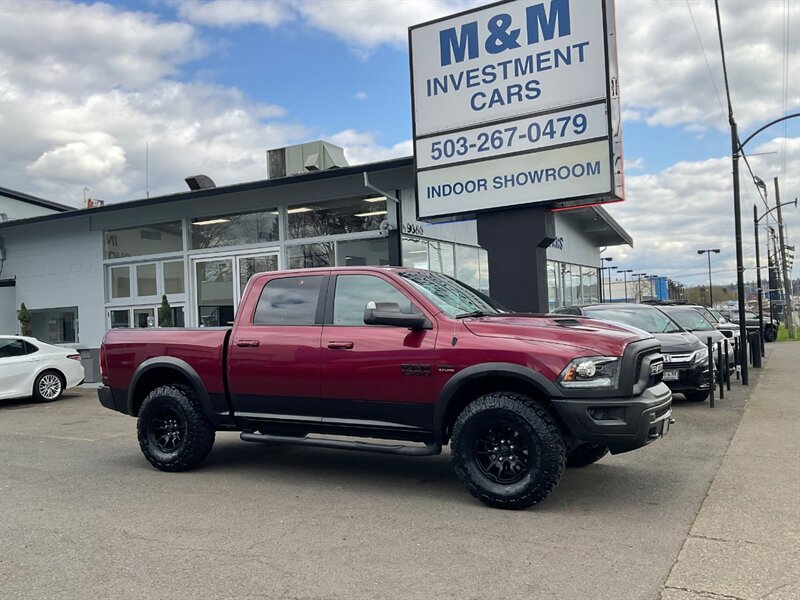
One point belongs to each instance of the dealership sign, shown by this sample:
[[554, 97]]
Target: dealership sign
[[516, 103]]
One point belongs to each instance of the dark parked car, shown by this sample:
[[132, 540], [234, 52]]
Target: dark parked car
[[685, 356], [692, 320], [751, 321]]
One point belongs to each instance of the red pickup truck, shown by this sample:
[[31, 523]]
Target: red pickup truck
[[396, 354]]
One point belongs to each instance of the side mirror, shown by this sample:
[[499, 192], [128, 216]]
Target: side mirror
[[388, 313]]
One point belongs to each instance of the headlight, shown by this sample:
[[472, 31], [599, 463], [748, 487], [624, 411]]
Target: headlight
[[701, 355], [591, 372]]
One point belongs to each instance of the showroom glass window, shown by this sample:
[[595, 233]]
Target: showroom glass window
[[235, 230], [161, 238], [55, 325], [333, 217]]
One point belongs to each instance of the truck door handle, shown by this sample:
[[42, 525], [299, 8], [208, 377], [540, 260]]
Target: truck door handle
[[340, 345], [247, 343]]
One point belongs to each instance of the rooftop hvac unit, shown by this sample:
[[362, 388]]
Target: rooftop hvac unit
[[304, 158]]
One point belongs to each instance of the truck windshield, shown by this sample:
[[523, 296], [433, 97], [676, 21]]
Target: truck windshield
[[450, 296], [650, 320]]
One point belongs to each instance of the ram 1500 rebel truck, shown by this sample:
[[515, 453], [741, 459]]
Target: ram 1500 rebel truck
[[396, 354]]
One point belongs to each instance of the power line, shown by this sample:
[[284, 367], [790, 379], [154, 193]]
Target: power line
[[708, 65]]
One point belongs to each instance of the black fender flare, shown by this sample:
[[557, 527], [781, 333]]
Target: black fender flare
[[176, 364], [476, 372]]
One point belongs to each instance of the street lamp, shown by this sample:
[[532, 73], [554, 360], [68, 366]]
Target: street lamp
[[708, 251], [610, 299], [602, 268], [625, 280], [638, 285]]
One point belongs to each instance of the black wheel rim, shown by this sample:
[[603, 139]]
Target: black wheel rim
[[502, 453], [167, 430]]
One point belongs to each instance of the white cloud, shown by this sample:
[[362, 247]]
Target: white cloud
[[363, 147], [664, 77], [75, 47], [689, 206], [360, 96]]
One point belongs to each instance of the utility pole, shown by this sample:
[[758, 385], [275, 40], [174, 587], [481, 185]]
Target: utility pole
[[787, 289]]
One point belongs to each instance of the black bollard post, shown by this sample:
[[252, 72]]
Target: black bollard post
[[736, 356], [727, 368], [754, 342], [722, 367], [711, 383]]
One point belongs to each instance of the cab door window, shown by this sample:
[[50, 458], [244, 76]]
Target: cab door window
[[353, 292]]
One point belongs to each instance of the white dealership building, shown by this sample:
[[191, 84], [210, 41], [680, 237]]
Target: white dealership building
[[84, 271]]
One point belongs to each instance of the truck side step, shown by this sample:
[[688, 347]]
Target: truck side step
[[267, 438]]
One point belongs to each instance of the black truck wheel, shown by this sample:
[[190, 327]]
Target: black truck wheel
[[507, 450], [174, 434], [585, 455], [770, 333]]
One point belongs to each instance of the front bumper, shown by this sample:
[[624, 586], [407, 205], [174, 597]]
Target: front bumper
[[691, 378], [621, 424]]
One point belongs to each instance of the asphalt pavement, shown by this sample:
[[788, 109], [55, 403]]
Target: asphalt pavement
[[85, 516]]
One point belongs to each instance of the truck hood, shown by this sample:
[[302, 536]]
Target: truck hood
[[595, 337]]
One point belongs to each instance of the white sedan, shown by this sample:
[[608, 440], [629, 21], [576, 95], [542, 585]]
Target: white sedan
[[29, 367]]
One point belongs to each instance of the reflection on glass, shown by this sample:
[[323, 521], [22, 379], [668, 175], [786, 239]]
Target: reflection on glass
[[235, 230], [289, 301], [311, 255], [144, 317], [143, 241], [215, 292], [250, 265], [354, 292], [415, 253], [468, 266], [120, 282], [178, 318], [336, 216], [442, 257], [146, 280], [55, 325], [173, 277], [552, 286], [362, 253], [565, 274], [483, 260], [120, 318], [590, 291]]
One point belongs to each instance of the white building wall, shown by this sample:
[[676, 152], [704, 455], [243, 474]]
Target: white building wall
[[59, 265], [573, 245]]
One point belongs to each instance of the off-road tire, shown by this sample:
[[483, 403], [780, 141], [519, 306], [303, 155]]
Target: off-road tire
[[585, 454], [699, 396], [533, 428], [44, 391], [770, 334], [173, 432]]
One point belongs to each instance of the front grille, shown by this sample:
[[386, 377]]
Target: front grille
[[655, 359], [677, 359]]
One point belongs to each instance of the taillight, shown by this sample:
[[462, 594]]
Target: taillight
[[103, 368], [74, 356]]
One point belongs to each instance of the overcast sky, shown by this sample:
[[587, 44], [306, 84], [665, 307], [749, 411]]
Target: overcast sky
[[211, 85]]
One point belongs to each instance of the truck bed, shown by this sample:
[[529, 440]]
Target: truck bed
[[203, 348]]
